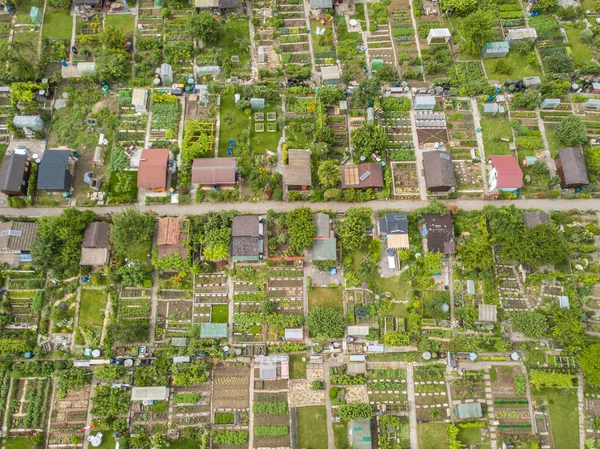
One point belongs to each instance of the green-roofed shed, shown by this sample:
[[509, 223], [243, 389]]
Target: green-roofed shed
[[257, 104], [495, 49], [213, 330], [324, 250], [35, 15], [469, 411], [360, 434]]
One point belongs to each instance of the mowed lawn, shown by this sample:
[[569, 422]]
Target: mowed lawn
[[312, 427], [432, 436], [58, 23], [325, 297], [19, 443], [340, 435], [219, 314], [125, 22], [261, 142], [492, 130], [520, 67], [297, 366], [91, 305], [564, 418], [233, 120]]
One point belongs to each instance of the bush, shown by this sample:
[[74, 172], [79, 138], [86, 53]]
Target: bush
[[502, 67], [349, 412], [59, 4], [317, 385], [238, 437]]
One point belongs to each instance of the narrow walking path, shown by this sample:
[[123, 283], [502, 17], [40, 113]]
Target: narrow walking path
[[327, 380], [581, 409], [412, 409], [547, 153]]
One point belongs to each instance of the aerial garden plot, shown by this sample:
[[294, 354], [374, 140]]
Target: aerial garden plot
[[293, 39], [271, 420], [511, 406], [166, 115], [190, 405], [28, 405], [430, 394], [69, 415], [387, 389], [403, 36], [132, 124]]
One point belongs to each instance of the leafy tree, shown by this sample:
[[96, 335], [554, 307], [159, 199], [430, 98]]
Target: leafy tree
[[546, 6], [130, 331], [539, 246], [502, 67], [57, 246], [559, 63], [478, 28], [326, 323], [301, 228], [186, 374], [386, 73], [352, 229], [366, 91], [217, 243], [368, 267], [586, 35], [531, 324], [113, 65], [589, 360], [571, 131], [349, 412], [110, 372], [330, 95], [110, 402], [128, 244], [113, 37], [204, 27], [459, 7], [329, 173], [568, 330], [368, 140]]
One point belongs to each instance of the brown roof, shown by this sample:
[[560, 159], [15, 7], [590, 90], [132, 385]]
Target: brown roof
[[439, 169], [152, 172], [297, 172], [214, 171], [168, 231], [21, 239], [362, 176], [96, 235], [245, 226], [94, 257], [533, 219], [574, 170], [440, 233], [170, 237]]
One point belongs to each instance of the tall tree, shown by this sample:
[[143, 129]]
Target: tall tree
[[571, 131], [204, 27], [589, 359], [131, 234], [478, 28], [301, 228], [352, 229], [369, 139], [329, 173]]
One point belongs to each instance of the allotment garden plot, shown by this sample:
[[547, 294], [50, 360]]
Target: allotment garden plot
[[271, 419], [134, 306], [386, 389], [430, 393], [69, 416], [29, 405], [175, 310]]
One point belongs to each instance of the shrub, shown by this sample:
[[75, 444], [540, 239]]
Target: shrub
[[355, 411], [238, 437], [317, 385]]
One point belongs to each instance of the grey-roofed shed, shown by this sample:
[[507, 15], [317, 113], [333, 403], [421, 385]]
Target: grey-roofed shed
[[17, 236], [149, 393], [330, 74], [322, 225], [571, 168], [53, 174], [324, 250], [491, 108], [533, 219], [592, 103], [14, 173], [439, 171], [488, 313], [532, 81]]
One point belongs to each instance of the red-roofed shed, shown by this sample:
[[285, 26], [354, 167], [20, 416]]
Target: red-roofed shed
[[505, 174]]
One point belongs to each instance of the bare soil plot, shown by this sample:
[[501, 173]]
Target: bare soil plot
[[231, 386]]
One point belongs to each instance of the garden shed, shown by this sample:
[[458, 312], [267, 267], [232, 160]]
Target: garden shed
[[179, 342], [213, 330], [571, 168], [267, 365], [438, 34], [294, 334], [370, 116], [166, 74], [592, 104], [532, 81], [149, 393], [321, 4], [206, 3], [209, 70], [495, 49], [563, 302], [297, 172], [439, 171], [257, 104], [469, 411], [360, 434], [488, 313], [139, 100], [14, 173], [86, 68], [491, 108], [35, 15], [54, 174], [358, 331], [261, 54], [521, 34], [330, 74], [550, 103], [424, 102], [96, 244], [32, 122]]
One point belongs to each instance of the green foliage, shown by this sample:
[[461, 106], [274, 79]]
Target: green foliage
[[531, 324], [224, 418], [125, 242], [571, 131], [326, 323], [329, 173], [317, 385], [347, 379], [270, 431], [113, 65], [502, 67], [541, 379], [526, 100], [369, 139], [589, 360], [301, 229], [519, 381], [59, 4], [568, 329], [57, 247], [478, 28], [204, 27], [559, 62], [459, 7], [237, 437], [110, 402], [110, 373], [349, 412], [186, 398], [270, 408], [396, 338], [352, 230], [330, 95], [186, 374]]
